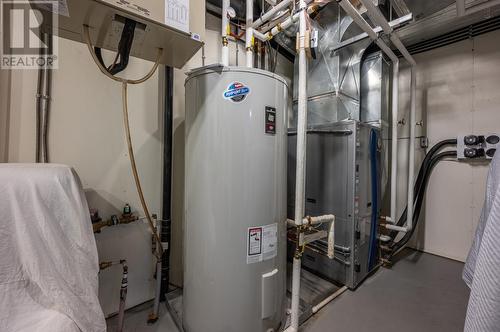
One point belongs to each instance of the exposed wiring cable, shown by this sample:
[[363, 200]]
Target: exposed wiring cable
[[48, 39], [126, 123], [38, 110], [398, 246], [421, 174], [86, 33]]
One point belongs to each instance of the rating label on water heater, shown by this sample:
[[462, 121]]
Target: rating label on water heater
[[262, 243]]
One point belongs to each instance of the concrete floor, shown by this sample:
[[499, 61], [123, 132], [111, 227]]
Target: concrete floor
[[421, 292], [136, 320]]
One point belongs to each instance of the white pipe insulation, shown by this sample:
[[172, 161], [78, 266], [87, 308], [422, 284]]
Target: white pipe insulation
[[411, 166], [225, 29], [269, 14], [394, 142], [331, 239], [328, 299], [313, 220], [278, 28], [249, 34], [301, 162]]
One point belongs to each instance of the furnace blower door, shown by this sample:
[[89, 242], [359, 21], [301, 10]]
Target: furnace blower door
[[270, 120]]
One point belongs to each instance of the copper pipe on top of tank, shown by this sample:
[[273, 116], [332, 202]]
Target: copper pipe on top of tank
[[249, 39], [226, 30]]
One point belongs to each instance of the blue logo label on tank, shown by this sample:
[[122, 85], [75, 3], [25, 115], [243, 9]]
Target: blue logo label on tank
[[236, 92]]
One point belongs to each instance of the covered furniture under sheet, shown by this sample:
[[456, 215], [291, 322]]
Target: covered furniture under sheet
[[482, 268], [48, 255]]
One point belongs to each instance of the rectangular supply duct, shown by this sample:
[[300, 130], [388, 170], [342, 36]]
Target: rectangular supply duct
[[338, 182], [161, 24], [375, 90]]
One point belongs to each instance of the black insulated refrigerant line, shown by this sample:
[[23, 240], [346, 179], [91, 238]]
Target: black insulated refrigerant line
[[423, 172], [418, 204], [167, 180]]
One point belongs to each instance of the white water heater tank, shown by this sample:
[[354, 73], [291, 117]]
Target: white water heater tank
[[235, 200]]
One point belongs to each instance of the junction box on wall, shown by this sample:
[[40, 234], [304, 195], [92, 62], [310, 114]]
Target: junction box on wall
[[477, 147], [159, 25]]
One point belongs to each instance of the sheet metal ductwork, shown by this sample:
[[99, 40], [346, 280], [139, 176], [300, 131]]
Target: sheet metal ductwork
[[336, 78], [348, 107]]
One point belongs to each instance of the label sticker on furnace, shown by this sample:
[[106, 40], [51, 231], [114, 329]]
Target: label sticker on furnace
[[262, 243]]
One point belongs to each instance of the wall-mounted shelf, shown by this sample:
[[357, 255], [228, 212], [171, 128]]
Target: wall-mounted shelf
[[105, 19]]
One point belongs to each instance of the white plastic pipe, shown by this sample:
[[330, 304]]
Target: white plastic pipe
[[225, 28], [300, 171], [284, 25], [249, 34], [394, 143], [396, 228], [329, 299], [261, 36], [294, 325], [411, 166], [313, 220], [320, 219], [278, 28], [331, 239], [270, 13], [279, 19]]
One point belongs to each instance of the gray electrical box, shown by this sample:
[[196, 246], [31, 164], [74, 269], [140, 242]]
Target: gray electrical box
[[159, 25], [339, 181], [477, 147]]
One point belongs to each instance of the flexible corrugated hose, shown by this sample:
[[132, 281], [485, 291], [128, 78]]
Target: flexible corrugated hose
[[126, 124]]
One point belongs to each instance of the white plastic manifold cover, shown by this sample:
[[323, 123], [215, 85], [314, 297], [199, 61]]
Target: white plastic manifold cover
[[48, 255]]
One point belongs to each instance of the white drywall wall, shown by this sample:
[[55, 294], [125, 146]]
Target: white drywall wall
[[86, 132], [457, 94]]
